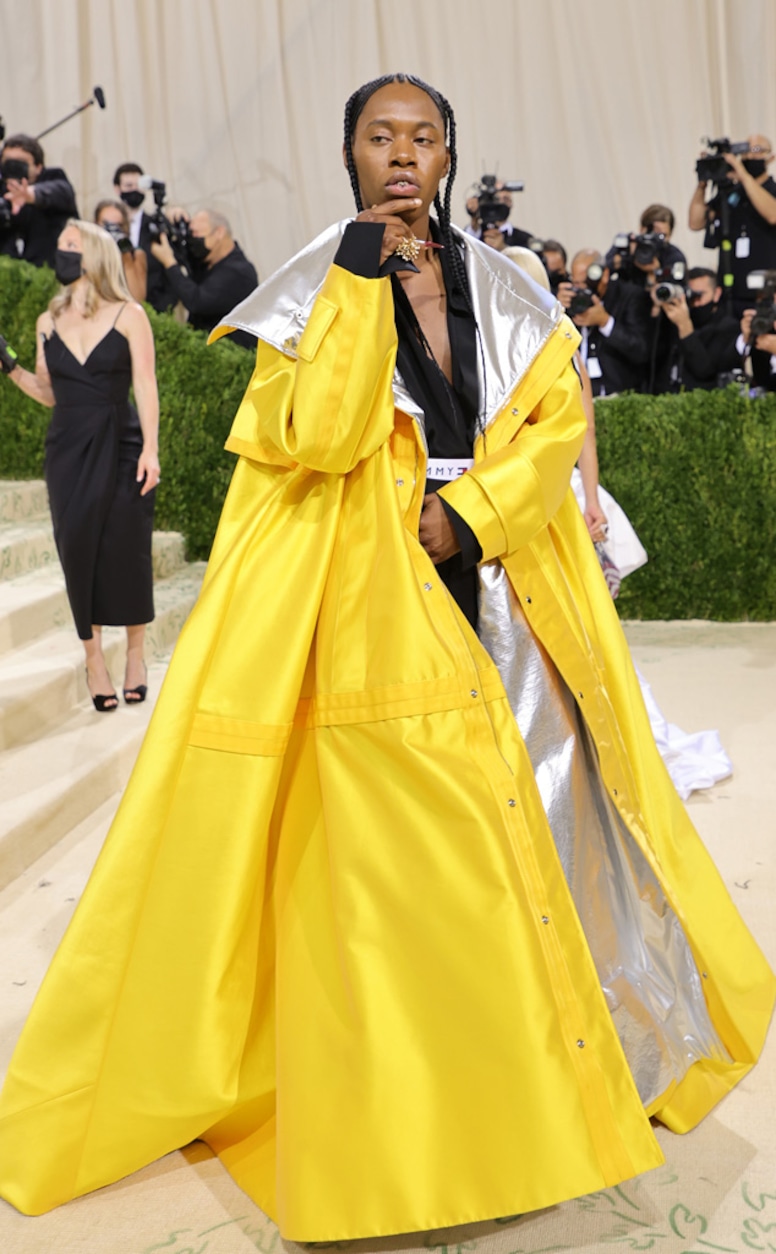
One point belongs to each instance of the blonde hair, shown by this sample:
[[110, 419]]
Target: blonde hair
[[102, 267], [527, 260]]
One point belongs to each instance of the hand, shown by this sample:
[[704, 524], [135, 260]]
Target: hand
[[396, 228], [8, 358], [746, 323], [19, 193], [595, 519], [565, 294], [736, 165], [176, 214], [162, 250], [495, 237], [678, 312], [437, 534], [148, 469], [596, 316], [766, 343]]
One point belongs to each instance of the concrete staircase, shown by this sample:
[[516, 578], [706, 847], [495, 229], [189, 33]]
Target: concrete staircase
[[61, 761]]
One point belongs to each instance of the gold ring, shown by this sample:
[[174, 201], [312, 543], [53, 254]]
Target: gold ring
[[409, 248]]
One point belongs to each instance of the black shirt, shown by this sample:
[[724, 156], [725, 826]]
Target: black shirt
[[450, 409], [32, 233], [215, 291], [749, 233]]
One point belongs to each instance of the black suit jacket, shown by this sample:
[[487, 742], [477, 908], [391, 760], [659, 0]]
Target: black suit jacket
[[33, 232], [622, 355], [216, 291], [697, 360]]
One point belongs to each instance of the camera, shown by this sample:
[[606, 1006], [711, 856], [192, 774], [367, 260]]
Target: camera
[[669, 291], [764, 319], [490, 210], [123, 240], [176, 232], [582, 300], [713, 168], [650, 246]]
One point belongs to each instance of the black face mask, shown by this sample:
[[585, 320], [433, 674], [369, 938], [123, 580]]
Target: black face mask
[[702, 314], [198, 249], [754, 166], [134, 198], [67, 266]]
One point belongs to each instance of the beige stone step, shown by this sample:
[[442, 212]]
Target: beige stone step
[[22, 500], [29, 546], [58, 781], [32, 605], [26, 546], [42, 681]]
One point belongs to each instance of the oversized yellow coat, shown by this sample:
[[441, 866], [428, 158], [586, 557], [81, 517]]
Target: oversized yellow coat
[[329, 932]]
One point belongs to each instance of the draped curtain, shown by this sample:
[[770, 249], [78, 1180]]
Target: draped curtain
[[237, 104]]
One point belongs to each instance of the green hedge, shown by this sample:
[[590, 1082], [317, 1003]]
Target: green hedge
[[695, 473], [200, 389]]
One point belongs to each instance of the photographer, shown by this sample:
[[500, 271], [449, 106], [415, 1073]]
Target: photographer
[[126, 185], [612, 317], [555, 260], [638, 258], [702, 335], [489, 209], [742, 210], [758, 336], [218, 277], [36, 202], [114, 217]]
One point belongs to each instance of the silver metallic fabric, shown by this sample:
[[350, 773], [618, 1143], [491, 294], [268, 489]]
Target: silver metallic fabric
[[515, 315], [647, 972]]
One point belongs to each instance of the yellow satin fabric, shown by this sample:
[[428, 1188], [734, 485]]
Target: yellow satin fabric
[[329, 932]]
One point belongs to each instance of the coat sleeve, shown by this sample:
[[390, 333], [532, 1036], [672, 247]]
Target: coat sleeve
[[510, 495], [333, 405]]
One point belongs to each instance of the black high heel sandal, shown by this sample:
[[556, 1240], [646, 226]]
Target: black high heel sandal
[[136, 696], [100, 702]]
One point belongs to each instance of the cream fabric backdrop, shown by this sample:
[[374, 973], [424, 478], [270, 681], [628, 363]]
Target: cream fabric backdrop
[[237, 104]]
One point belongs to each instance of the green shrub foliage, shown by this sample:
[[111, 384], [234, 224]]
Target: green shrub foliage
[[695, 473], [200, 389]]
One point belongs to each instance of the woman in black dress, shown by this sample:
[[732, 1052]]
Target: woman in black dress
[[101, 454]]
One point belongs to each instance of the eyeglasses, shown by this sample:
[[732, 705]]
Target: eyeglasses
[[759, 148]]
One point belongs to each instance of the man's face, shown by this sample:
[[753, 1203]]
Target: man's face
[[128, 183], [702, 292], [554, 262], [202, 228], [21, 154], [659, 227], [399, 148], [760, 148]]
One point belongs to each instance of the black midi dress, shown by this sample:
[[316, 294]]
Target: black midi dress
[[102, 525]]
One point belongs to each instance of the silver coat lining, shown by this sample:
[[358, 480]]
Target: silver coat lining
[[648, 974]]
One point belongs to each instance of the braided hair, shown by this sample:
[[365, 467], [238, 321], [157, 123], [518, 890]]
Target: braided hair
[[353, 110]]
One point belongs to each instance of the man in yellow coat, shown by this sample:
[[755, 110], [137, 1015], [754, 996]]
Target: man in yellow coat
[[404, 919]]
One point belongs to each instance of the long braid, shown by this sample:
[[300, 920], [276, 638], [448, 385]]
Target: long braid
[[353, 110]]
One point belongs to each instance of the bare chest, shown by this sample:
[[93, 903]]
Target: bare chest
[[426, 294]]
